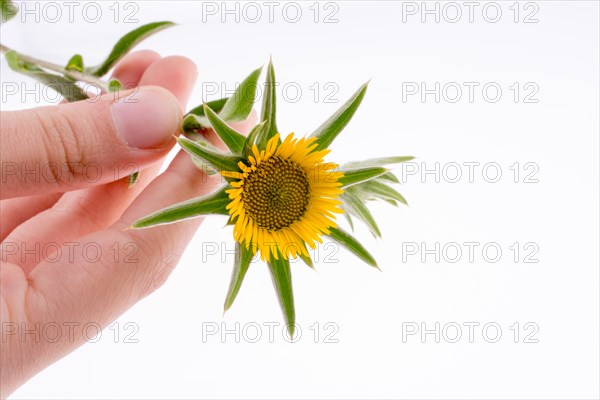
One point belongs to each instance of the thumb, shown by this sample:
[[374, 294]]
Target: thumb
[[87, 143]]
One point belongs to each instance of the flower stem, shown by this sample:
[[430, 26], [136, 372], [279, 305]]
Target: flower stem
[[78, 76]]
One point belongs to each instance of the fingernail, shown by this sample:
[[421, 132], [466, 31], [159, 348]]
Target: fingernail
[[147, 118]]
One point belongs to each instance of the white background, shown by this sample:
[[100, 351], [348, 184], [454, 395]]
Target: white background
[[558, 214]]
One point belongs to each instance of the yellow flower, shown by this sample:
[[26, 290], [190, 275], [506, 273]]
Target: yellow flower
[[286, 198], [280, 197]]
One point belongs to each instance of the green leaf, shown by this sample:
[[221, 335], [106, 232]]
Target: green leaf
[[328, 131], [75, 63], [8, 10], [215, 105], [390, 177], [378, 162], [306, 258], [126, 43], [214, 203], [234, 108], [114, 85], [204, 166], [210, 154], [243, 257], [196, 118], [133, 178], [391, 202], [232, 138], [349, 219], [382, 191], [349, 242], [192, 123], [67, 88], [355, 176], [282, 281], [251, 138], [269, 108], [356, 207], [239, 106]]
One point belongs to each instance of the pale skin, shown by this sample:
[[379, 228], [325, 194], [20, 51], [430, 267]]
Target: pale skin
[[44, 286]]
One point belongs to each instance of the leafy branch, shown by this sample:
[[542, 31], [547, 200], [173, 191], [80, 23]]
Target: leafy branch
[[73, 74], [64, 78]]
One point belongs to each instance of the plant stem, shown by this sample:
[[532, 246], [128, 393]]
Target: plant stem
[[78, 76]]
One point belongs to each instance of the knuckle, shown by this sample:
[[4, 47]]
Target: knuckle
[[64, 145]]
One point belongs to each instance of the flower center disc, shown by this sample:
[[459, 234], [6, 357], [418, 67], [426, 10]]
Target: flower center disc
[[276, 194]]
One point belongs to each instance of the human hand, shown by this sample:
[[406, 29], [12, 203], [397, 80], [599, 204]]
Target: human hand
[[64, 189]]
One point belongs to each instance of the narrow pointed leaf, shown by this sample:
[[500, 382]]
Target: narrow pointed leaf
[[209, 154], [356, 207], [382, 191], [349, 242], [282, 281], [239, 106], [214, 203], [269, 108], [196, 119], [257, 131], [232, 138], [306, 258], [390, 177], [378, 162], [75, 63], [204, 166], [192, 123], [126, 43], [67, 88], [349, 219], [328, 131], [356, 176], [243, 257]]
